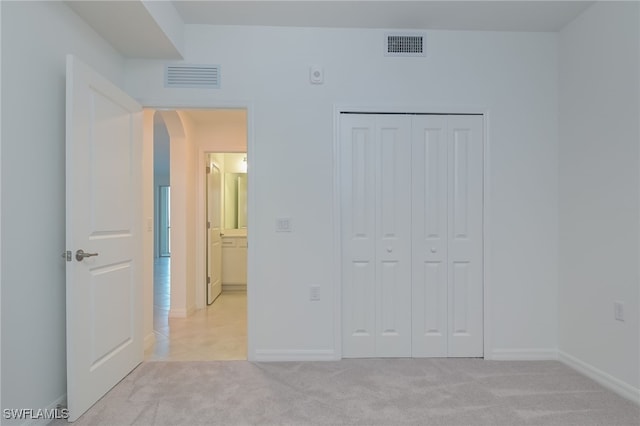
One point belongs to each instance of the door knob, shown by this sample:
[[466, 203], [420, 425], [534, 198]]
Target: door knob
[[81, 254], [433, 249]]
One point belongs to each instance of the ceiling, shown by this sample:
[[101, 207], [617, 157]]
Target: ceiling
[[151, 29], [441, 15]]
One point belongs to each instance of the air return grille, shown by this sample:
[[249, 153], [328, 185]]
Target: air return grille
[[199, 76], [405, 45]]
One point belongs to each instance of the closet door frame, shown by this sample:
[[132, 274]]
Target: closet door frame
[[340, 109]]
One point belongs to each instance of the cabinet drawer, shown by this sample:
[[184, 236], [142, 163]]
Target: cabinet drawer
[[229, 242]]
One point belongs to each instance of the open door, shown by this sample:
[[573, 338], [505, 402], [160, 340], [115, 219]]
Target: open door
[[103, 236], [214, 233]]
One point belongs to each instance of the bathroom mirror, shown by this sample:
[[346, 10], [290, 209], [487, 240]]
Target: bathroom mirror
[[235, 200]]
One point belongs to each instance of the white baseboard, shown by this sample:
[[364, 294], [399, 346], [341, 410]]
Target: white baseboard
[[177, 313], [181, 313], [267, 355], [523, 354], [234, 287], [62, 400], [616, 385], [149, 340]]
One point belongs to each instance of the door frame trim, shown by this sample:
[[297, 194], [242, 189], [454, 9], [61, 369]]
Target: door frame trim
[[200, 291], [391, 108]]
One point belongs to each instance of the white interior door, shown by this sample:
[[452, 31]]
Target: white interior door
[[214, 233], [103, 218], [376, 243]]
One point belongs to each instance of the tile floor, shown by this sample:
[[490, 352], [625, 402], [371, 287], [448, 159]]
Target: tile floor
[[218, 332]]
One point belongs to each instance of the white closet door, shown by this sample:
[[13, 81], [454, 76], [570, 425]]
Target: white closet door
[[393, 236], [376, 227], [357, 175], [412, 235], [430, 238], [465, 153]]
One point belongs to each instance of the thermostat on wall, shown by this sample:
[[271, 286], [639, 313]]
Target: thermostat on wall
[[316, 75]]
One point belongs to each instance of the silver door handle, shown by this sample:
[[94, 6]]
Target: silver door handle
[[80, 255]]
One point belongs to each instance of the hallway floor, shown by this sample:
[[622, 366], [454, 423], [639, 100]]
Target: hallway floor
[[218, 332]]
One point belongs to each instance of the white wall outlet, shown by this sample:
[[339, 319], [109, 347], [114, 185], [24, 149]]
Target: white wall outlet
[[618, 311], [283, 224], [314, 293], [316, 75]]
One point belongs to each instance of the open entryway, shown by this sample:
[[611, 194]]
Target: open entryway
[[411, 201], [199, 314]]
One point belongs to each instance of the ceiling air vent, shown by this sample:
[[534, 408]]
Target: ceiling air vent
[[198, 76], [405, 45]]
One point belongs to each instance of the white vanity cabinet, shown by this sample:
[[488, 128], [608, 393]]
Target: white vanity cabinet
[[234, 261]]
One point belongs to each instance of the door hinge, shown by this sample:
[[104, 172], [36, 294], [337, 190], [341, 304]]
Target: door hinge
[[208, 280], [208, 169], [67, 255], [208, 225]]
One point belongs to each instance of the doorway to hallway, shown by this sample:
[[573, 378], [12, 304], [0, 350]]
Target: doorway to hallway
[[185, 326]]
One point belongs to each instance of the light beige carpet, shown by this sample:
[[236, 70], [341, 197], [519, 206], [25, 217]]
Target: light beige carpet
[[360, 392]]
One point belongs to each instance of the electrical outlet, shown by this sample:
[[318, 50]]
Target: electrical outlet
[[314, 293], [618, 311]]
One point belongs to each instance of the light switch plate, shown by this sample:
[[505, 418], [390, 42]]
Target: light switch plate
[[283, 224]]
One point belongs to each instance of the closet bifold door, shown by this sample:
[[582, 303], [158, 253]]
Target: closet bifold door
[[447, 276], [465, 263], [375, 174], [430, 240]]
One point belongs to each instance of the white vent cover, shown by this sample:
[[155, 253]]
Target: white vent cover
[[405, 45], [187, 75]]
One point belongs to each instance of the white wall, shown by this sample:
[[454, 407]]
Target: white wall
[[225, 130], [599, 187], [191, 215], [513, 75], [36, 36], [183, 212], [149, 213]]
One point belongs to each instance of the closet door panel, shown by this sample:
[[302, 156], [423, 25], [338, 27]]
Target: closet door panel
[[429, 241], [357, 172], [465, 182], [393, 236]]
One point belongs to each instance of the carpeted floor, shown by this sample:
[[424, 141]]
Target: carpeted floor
[[360, 392]]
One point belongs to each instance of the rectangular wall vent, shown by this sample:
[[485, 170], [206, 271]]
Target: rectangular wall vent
[[198, 76], [405, 45]]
